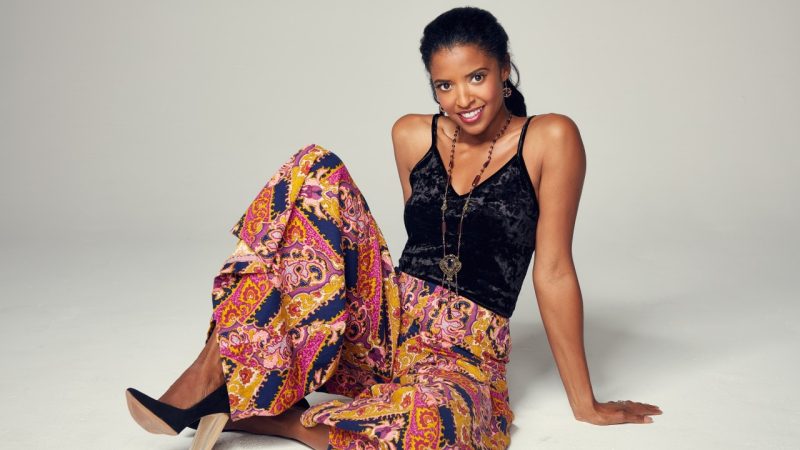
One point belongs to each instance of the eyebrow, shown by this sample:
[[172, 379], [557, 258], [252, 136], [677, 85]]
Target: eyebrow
[[468, 75]]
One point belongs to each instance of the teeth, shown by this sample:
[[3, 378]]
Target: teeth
[[472, 114]]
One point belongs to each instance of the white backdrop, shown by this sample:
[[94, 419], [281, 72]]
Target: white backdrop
[[134, 134]]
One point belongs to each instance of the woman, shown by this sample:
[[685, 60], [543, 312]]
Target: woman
[[310, 300]]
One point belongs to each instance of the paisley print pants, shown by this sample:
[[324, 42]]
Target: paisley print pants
[[310, 300]]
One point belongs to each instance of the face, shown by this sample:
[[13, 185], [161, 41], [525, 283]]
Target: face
[[467, 80]]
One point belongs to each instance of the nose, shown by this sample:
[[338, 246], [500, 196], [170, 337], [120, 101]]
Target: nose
[[463, 97]]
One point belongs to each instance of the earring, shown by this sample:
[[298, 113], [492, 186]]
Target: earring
[[506, 89], [441, 111]]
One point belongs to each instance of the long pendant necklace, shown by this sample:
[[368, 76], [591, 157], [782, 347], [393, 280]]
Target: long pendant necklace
[[450, 263]]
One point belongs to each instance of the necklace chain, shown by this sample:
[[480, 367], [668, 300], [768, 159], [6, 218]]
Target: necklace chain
[[450, 264]]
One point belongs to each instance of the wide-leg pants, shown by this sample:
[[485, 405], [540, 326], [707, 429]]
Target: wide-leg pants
[[310, 300]]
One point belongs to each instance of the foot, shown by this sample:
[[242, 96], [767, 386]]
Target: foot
[[191, 387], [285, 425], [202, 377], [282, 425]]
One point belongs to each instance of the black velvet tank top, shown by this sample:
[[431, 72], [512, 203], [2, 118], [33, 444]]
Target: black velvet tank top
[[499, 233]]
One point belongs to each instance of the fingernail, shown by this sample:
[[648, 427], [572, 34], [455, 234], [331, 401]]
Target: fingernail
[[648, 419]]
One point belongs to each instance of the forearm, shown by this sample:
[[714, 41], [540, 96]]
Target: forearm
[[561, 307]]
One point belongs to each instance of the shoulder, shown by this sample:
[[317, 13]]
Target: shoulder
[[553, 127], [412, 126], [411, 138], [553, 136]]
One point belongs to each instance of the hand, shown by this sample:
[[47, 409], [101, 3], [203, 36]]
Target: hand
[[617, 412]]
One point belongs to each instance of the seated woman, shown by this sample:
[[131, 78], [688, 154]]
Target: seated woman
[[310, 299]]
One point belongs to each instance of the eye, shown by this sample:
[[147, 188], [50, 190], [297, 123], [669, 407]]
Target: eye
[[481, 75], [441, 85]]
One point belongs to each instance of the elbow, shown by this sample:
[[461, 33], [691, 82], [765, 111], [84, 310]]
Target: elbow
[[544, 274]]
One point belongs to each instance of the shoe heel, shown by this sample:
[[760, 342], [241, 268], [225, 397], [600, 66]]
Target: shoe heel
[[208, 431]]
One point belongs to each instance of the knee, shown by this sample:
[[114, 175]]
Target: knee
[[316, 156]]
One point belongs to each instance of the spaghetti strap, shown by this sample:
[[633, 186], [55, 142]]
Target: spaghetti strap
[[433, 129], [522, 134]]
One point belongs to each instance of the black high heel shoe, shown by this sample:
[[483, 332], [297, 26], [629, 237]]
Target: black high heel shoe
[[161, 418], [301, 404]]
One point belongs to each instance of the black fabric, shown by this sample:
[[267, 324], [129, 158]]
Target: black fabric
[[499, 234]]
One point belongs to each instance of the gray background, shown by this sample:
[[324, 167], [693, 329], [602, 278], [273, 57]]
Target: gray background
[[134, 134]]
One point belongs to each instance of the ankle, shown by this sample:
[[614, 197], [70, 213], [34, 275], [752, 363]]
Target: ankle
[[212, 373], [209, 367]]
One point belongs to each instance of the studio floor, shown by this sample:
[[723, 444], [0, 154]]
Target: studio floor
[[84, 323]]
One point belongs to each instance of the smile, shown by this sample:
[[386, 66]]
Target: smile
[[471, 116]]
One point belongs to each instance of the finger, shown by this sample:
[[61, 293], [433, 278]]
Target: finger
[[632, 417], [639, 407], [649, 406], [654, 410], [644, 408]]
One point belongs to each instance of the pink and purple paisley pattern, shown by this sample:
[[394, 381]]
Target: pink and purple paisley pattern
[[310, 301]]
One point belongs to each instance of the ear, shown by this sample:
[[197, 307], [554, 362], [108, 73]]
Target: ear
[[505, 70]]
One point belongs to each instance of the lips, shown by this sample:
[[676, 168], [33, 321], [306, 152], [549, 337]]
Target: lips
[[471, 115]]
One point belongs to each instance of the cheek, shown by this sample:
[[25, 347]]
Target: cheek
[[489, 93], [447, 99]]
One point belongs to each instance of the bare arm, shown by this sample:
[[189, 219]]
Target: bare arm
[[555, 280]]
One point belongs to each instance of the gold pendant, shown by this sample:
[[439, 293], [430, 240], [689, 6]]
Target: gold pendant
[[450, 265]]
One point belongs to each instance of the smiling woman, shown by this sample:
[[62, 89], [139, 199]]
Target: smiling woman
[[310, 299], [472, 94]]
